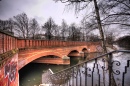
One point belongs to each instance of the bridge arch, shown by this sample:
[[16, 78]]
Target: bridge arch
[[36, 56], [73, 53], [49, 59], [85, 50]]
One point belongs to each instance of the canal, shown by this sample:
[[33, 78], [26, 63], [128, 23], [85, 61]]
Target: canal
[[31, 74]]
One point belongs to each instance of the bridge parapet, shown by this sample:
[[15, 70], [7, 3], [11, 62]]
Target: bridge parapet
[[30, 43], [7, 42]]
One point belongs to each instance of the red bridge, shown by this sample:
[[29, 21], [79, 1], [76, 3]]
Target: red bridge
[[17, 53]]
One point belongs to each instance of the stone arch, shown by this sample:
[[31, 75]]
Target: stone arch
[[73, 53]]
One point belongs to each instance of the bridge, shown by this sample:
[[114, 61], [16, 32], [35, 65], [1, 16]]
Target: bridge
[[15, 53], [60, 49]]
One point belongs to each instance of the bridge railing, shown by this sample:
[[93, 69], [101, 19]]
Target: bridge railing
[[7, 42], [29, 43], [111, 69]]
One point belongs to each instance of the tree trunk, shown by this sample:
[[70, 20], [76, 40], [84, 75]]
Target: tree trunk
[[100, 27]]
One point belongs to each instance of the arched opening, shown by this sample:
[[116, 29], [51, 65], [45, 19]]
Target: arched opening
[[74, 53], [31, 74], [85, 50]]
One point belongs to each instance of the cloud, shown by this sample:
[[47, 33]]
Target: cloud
[[39, 9]]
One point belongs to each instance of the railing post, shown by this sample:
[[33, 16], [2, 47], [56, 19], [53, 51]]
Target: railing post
[[110, 68], [111, 77]]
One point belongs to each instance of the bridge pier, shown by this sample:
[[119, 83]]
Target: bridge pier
[[81, 54], [66, 60]]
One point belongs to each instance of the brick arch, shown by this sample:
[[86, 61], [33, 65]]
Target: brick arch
[[36, 56], [85, 50], [73, 53], [69, 51], [46, 54], [79, 49]]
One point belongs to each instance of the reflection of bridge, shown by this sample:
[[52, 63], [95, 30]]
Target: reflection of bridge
[[24, 51]]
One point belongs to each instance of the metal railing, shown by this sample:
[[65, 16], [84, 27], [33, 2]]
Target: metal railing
[[110, 69]]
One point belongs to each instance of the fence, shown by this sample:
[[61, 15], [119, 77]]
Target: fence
[[111, 69]]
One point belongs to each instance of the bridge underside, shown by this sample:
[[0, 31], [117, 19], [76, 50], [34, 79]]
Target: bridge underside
[[50, 59], [27, 56]]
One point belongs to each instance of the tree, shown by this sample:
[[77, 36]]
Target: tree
[[7, 26], [21, 22], [49, 28], [34, 28], [87, 26], [77, 4], [115, 12], [64, 27], [74, 33], [56, 32]]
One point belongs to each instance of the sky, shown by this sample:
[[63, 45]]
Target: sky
[[39, 9]]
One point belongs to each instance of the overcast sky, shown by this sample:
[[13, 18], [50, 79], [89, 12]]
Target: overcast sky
[[39, 9]]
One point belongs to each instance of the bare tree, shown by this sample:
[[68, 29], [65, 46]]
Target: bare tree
[[87, 26], [82, 4], [7, 26], [34, 28], [49, 28], [56, 32], [74, 33], [115, 12], [21, 22], [64, 27]]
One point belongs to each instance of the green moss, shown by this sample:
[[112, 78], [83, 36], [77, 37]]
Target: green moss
[[5, 56]]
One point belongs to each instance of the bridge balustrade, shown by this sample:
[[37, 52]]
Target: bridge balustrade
[[7, 42], [28, 43]]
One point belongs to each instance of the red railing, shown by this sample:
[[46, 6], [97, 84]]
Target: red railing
[[9, 42], [29, 43]]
